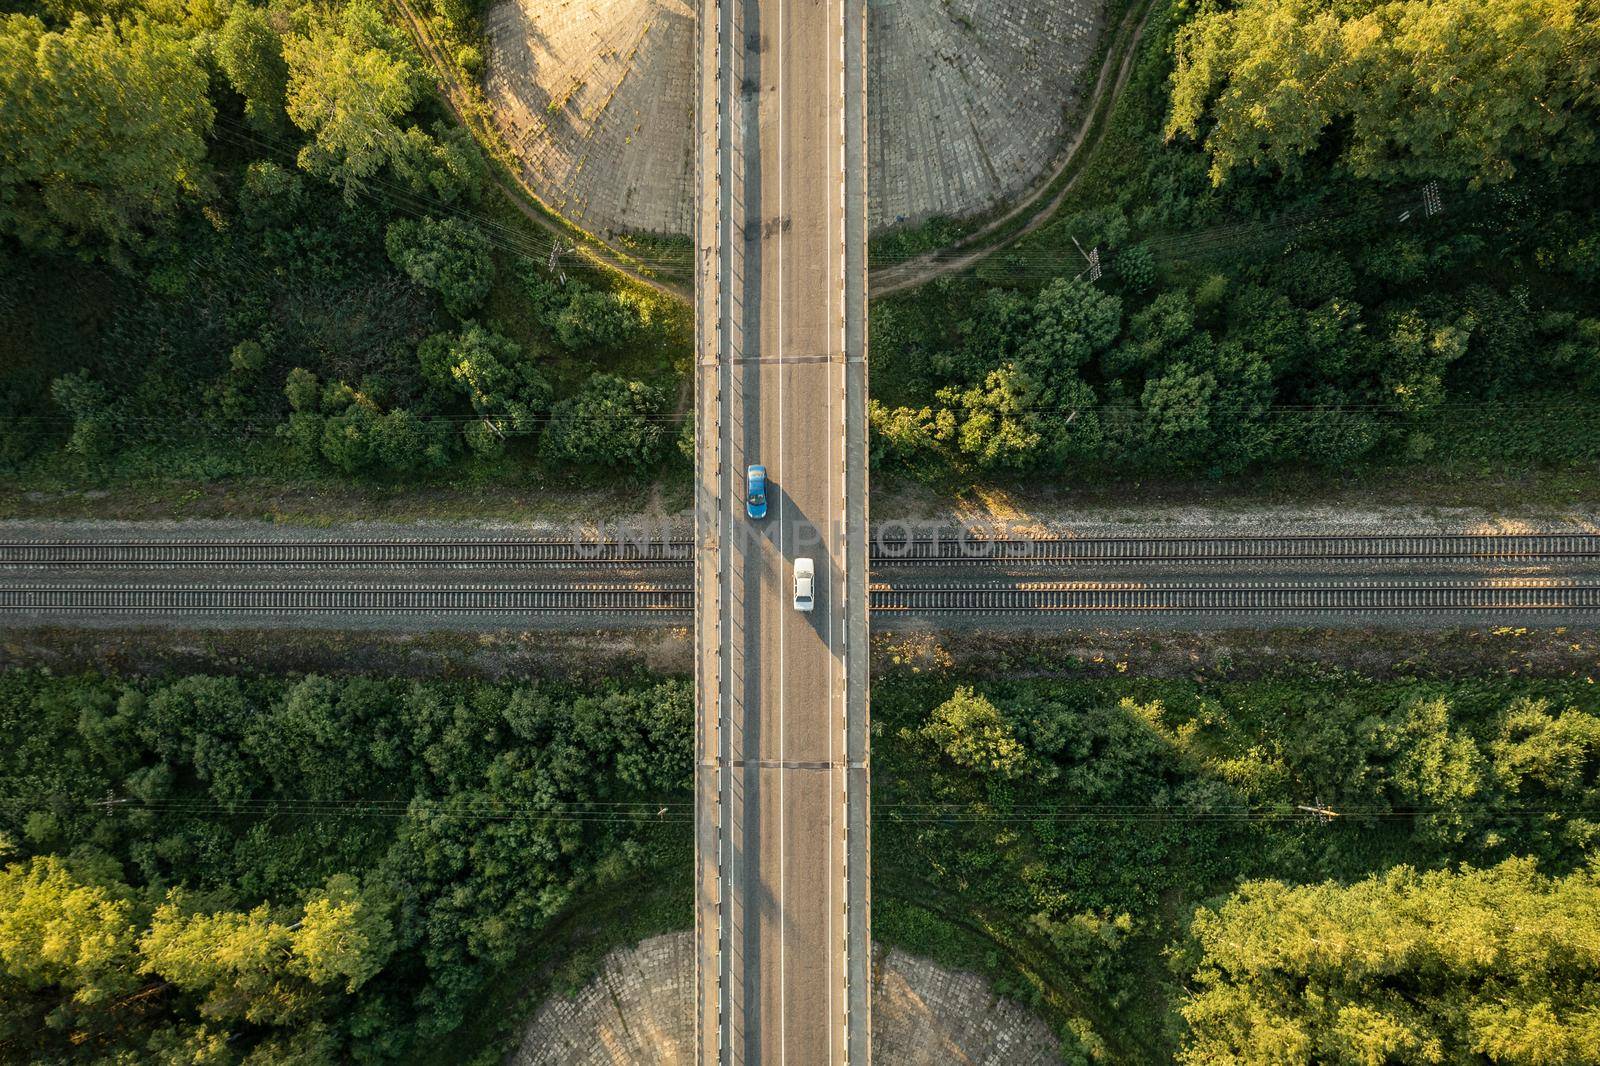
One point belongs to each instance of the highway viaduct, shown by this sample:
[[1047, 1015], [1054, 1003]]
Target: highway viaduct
[[782, 855]]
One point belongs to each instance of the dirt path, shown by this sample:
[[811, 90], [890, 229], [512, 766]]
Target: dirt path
[[459, 100], [978, 245]]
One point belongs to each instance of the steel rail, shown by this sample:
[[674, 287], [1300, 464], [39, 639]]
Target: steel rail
[[179, 553], [1530, 547], [887, 551], [927, 598], [1308, 597], [123, 599]]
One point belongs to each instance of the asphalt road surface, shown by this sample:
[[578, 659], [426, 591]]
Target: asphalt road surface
[[781, 735]]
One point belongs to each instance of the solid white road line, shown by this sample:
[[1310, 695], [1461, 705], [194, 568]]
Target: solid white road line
[[783, 970]]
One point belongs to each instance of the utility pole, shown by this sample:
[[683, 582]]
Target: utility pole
[[556, 252], [1092, 257], [1318, 811]]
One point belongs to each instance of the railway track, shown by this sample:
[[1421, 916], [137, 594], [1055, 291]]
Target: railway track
[[1198, 598], [1329, 549], [347, 599], [1311, 597], [323, 553], [888, 552]]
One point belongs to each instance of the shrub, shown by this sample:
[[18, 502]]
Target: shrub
[[612, 423], [448, 256]]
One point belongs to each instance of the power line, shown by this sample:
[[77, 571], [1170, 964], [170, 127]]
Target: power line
[[1377, 407], [1155, 813], [576, 811], [534, 248], [377, 187], [540, 248], [681, 811], [523, 246], [1022, 264], [258, 424]]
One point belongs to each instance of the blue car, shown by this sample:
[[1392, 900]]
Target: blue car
[[755, 498]]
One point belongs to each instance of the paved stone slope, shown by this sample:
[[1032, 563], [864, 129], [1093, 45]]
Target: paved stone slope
[[597, 98], [637, 1013], [969, 101]]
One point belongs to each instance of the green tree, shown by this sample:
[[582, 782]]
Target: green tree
[[1154, 333], [1503, 358], [303, 431], [247, 357], [1136, 268], [249, 936], [1313, 276], [457, 14], [596, 319], [612, 423], [351, 79], [1419, 352], [1210, 404], [1015, 422], [67, 956], [350, 437], [94, 418], [1072, 322], [991, 337], [974, 735], [581, 317], [251, 55], [309, 742], [235, 961], [1334, 346], [402, 441], [102, 130], [909, 436], [342, 939], [1537, 753], [446, 166], [1263, 320], [347, 429], [448, 256], [1241, 424], [1461, 89], [1330, 434], [271, 197], [997, 430], [1178, 411], [508, 393], [56, 930], [1432, 767], [257, 967], [197, 722], [303, 390], [1498, 963]]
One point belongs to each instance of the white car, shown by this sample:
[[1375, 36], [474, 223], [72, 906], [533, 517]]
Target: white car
[[805, 579]]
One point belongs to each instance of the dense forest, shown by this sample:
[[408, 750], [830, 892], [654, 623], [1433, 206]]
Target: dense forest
[[1308, 869], [268, 870], [246, 239], [1326, 235], [219, 870]]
